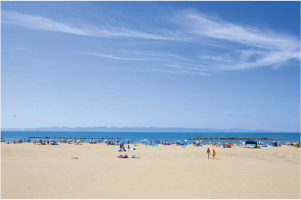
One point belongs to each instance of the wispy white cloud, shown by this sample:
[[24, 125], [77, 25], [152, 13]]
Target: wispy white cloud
[[203, 25], [179, 71], [110, 56], [190, 67], [43, 23], [158, 55], [235, 47], [214, 58], [240, 47], [272, 49]]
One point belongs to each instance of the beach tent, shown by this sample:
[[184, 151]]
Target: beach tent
[[274, 144], [295, 144], [53, 143], [132, 149], [251, 142]]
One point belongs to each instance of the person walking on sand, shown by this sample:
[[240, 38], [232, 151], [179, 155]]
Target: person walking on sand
[[213, 153], [208, 152]]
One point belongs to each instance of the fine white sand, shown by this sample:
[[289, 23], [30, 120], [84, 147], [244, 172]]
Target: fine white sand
[[34, 171]]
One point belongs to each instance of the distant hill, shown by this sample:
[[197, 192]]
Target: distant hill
[[133, 129]]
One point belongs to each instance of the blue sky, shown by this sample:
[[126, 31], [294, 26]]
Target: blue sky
[[142, 64]]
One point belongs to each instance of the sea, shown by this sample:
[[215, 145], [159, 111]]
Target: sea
[[151, 136]]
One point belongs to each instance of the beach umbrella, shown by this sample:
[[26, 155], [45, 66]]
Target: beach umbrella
[[132, 149]]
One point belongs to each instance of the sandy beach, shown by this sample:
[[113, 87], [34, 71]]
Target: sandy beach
[[163, 172]]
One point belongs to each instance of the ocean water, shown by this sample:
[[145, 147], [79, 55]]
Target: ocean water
[[151, 136]]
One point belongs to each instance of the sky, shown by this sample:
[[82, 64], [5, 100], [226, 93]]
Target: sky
[[143, 64]]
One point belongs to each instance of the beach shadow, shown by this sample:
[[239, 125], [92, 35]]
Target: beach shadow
[[137, 157]]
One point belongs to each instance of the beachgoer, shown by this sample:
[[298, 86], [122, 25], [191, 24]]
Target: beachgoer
[[128, 146], [208, 152], [213, 153]]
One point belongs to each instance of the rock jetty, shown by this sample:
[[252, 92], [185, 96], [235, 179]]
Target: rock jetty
[[231, 138]]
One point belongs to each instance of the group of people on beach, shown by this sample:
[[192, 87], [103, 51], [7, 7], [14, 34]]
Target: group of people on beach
[[209, 152], [121, 145]]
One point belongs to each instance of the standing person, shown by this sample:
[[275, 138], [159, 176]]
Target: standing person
[[208, 152], [213, 153], [128, 146]]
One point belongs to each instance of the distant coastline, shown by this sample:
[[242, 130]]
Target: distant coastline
[[138, 129]]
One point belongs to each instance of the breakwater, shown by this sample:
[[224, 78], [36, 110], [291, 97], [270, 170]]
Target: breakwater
[[232, 138]]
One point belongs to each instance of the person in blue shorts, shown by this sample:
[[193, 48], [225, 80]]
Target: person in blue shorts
[[208, 152]]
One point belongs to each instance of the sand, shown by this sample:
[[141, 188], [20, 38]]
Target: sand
[[164, 172]]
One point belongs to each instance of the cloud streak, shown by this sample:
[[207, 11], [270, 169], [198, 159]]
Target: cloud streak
[[271, 49], [43, 23], [241, 47], [179, 71], [235, 47], [110, 56]]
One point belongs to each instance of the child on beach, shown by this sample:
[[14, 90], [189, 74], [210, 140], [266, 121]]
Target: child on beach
[[208, 152], [213, 154]]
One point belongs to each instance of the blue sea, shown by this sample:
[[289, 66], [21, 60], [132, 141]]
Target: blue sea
[[151, 136]]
